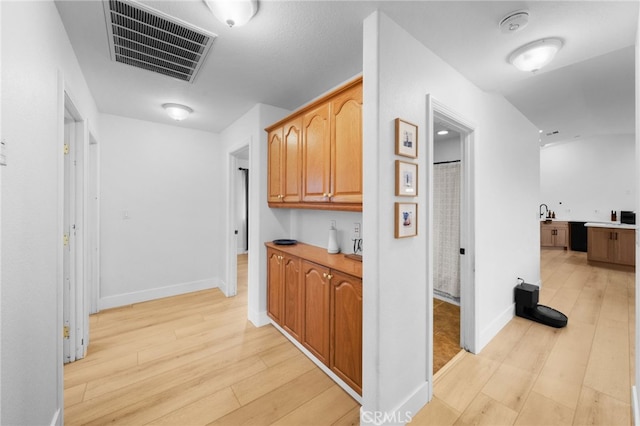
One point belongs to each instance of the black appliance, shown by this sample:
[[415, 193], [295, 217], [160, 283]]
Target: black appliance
[[527, 306], [628, 217], [578, 233]]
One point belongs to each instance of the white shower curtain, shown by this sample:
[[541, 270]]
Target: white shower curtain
[[446, 227]]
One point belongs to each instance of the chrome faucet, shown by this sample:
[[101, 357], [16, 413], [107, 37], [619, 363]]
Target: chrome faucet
[[546, 210]]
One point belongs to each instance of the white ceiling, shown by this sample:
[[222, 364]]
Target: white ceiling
[[294, 50]]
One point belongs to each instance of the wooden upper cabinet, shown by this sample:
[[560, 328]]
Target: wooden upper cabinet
[[346, 147], [316, 155], [292, 147], [275, 166]]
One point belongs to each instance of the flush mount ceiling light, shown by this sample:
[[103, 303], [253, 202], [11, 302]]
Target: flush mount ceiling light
[[176, 111], [535, 55], [443, 132], [234, 13]]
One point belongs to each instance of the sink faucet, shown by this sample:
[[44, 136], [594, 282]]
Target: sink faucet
[[546, 210]]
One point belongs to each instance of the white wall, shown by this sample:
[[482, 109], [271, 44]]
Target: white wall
[[35, 49], [396, 298], [312, 227], [166, 180], [590, 177], [265, 224], [447, 150]]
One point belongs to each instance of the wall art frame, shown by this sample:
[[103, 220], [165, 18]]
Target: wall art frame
[[406, 139], [406, 179], [406, 220]]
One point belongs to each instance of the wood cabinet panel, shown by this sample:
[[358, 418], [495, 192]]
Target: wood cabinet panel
[[275, 289], [316, 155], [555, 234], [346, 147], [612, 245], [625, 247], [292, 170], [275, 166], [292, 311], [315, 335], [346, 329]]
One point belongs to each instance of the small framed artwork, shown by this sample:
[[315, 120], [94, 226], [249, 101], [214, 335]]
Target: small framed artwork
[[406, 139], [406, 179], [406, 220]]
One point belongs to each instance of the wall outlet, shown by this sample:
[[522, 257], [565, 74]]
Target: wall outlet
[[356, 231]]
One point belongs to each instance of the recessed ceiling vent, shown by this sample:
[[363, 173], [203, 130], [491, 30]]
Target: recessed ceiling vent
[[148, 39]]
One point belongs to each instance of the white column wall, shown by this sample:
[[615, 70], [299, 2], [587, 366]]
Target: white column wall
[[399, 72]]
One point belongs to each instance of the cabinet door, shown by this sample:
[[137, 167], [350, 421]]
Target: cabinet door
[[316, 155], [346, 147], [546, 236], [599, 244], [292, 321], [275, 281], [625, 240], [275, 167], [315, 334], [346, 329], [292, 162], [561, 238]]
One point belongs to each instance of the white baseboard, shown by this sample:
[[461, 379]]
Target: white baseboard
[[259, 319], [401, 415], [494, 328], [635, 408], [156, 293], [56, 420], [323, 367]]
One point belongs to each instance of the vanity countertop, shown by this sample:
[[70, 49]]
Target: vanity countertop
[[610, 225]]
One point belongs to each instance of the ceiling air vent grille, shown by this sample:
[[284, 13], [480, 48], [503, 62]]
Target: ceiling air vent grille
[[147, 39]]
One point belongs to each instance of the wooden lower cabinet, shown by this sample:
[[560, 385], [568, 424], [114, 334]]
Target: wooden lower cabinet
[[346, 329], [284, 292], [319, 306], [555, 234], [612, 245], [315, 334]]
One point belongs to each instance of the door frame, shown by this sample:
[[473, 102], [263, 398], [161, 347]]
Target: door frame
[[231, 287], [457, 122], [77, 297]]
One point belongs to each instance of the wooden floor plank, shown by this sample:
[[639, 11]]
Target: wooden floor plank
[[195, 359]]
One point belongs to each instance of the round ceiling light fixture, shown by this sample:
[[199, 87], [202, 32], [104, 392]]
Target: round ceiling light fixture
[[177, 111], [234, 13], [514, 21], [442, 132], [535, 55]]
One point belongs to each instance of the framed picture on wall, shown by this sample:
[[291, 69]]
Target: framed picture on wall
[[406, 139], [406, 179], [406, 220]]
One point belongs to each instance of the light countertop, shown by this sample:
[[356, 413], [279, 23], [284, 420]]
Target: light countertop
[[610, 225]]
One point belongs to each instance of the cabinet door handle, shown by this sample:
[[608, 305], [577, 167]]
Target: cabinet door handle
[[330, 195], [616, 234], [329, 276]]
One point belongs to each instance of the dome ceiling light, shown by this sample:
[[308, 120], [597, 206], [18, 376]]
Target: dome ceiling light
[[176, 111], [535, 55], [233, 13]]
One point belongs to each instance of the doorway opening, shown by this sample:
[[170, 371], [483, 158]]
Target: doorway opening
[[452, 243], [239, 198]]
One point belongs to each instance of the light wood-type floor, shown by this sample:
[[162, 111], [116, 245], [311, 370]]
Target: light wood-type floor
[[194, 359]]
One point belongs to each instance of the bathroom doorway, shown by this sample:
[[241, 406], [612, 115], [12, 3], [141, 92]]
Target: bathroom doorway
[[452, 231], [447, 156]]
